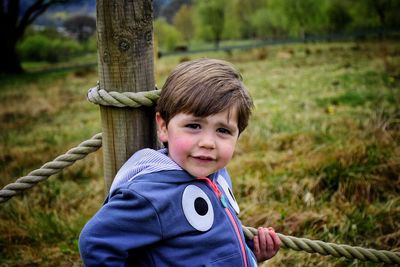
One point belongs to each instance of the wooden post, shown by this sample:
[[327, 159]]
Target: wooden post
[[125, 58]]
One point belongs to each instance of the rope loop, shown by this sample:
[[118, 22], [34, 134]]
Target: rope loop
[[125, 99]]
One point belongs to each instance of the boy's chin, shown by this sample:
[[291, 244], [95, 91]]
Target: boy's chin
[[200, 174]]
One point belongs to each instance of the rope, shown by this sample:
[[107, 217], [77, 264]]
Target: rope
[[125, 99], [317, 246], [50, 168]]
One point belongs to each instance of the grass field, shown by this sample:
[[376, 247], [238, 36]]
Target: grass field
[[320, 159]]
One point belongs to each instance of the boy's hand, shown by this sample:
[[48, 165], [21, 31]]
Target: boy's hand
[[266, 244]]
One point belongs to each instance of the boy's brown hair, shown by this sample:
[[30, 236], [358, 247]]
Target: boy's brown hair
[[205, 87]]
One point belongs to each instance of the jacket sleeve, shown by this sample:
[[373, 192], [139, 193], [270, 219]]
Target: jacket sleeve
[[128, 221]]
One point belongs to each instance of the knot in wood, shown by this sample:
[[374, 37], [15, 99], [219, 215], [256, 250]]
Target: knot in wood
[[124, 45], [149, 37]]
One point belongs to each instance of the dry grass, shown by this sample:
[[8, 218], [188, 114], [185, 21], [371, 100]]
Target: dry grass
[[320, 158]]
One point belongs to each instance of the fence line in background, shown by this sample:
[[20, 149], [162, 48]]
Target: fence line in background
[[255, 44], [308, 38]]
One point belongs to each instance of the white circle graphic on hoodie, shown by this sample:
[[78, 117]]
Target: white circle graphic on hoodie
[[197, 208]]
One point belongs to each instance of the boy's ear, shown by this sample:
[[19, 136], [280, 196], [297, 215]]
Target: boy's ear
[[162, 130]]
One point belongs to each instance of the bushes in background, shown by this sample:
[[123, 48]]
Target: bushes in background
[[39, 47], [51, 46]]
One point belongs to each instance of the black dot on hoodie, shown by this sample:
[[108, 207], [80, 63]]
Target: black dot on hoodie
[[201, 206]]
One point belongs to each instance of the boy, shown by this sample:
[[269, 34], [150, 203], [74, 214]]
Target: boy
[[175, 206]]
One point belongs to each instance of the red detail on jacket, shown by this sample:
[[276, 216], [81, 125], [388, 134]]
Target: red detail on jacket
[[218, 193]]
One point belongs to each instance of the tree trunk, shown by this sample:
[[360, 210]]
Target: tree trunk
[[9, 59], [10, 62], [216, 43], [125, 57]]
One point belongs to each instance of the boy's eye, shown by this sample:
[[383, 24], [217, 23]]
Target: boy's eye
[[223, 131], [193, 126]]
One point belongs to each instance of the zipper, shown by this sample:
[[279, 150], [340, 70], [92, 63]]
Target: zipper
[[223, 200]]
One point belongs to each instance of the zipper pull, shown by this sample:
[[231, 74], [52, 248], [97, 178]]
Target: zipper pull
[[221, 196], [216, 190], [223, 201]]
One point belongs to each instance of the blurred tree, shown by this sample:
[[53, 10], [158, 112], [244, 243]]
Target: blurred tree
[[268, 24], [12, 28], [338, 15], [244, 12], [167, 36], [183, 22], [386, 12], [232, 24], [212, 16], [81, 27], [301, 17]]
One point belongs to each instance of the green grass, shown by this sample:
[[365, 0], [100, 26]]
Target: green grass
[[87, 58], [320, 158]]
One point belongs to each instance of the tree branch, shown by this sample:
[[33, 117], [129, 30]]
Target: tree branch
[[34, 11]]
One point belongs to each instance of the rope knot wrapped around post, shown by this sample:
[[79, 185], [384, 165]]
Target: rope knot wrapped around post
[[125, 99]]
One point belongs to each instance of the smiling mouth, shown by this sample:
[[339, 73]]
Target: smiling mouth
[[203, 158]]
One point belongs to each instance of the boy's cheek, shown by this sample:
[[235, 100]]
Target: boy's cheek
[[182, 145], [228, 153], [228, 148]]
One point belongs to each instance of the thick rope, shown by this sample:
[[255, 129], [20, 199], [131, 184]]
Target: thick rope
[[50, 168], [125, 99], [317, 246]]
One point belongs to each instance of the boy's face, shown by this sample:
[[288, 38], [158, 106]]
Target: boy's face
[[201, 146]]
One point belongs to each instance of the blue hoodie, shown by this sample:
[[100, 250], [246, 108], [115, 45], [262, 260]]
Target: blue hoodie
[[159, 215]]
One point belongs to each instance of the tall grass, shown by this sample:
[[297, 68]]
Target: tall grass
[[320, 158], [42, 116]]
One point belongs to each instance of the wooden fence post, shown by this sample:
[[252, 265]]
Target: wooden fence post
[[125, 64]]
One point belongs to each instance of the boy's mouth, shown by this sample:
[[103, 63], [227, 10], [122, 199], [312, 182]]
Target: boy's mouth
[[203, 158]]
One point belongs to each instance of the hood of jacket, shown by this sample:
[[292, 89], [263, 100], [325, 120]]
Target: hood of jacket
[[143, 162]]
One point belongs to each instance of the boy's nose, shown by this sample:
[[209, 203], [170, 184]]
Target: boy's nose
[[207, 141]]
